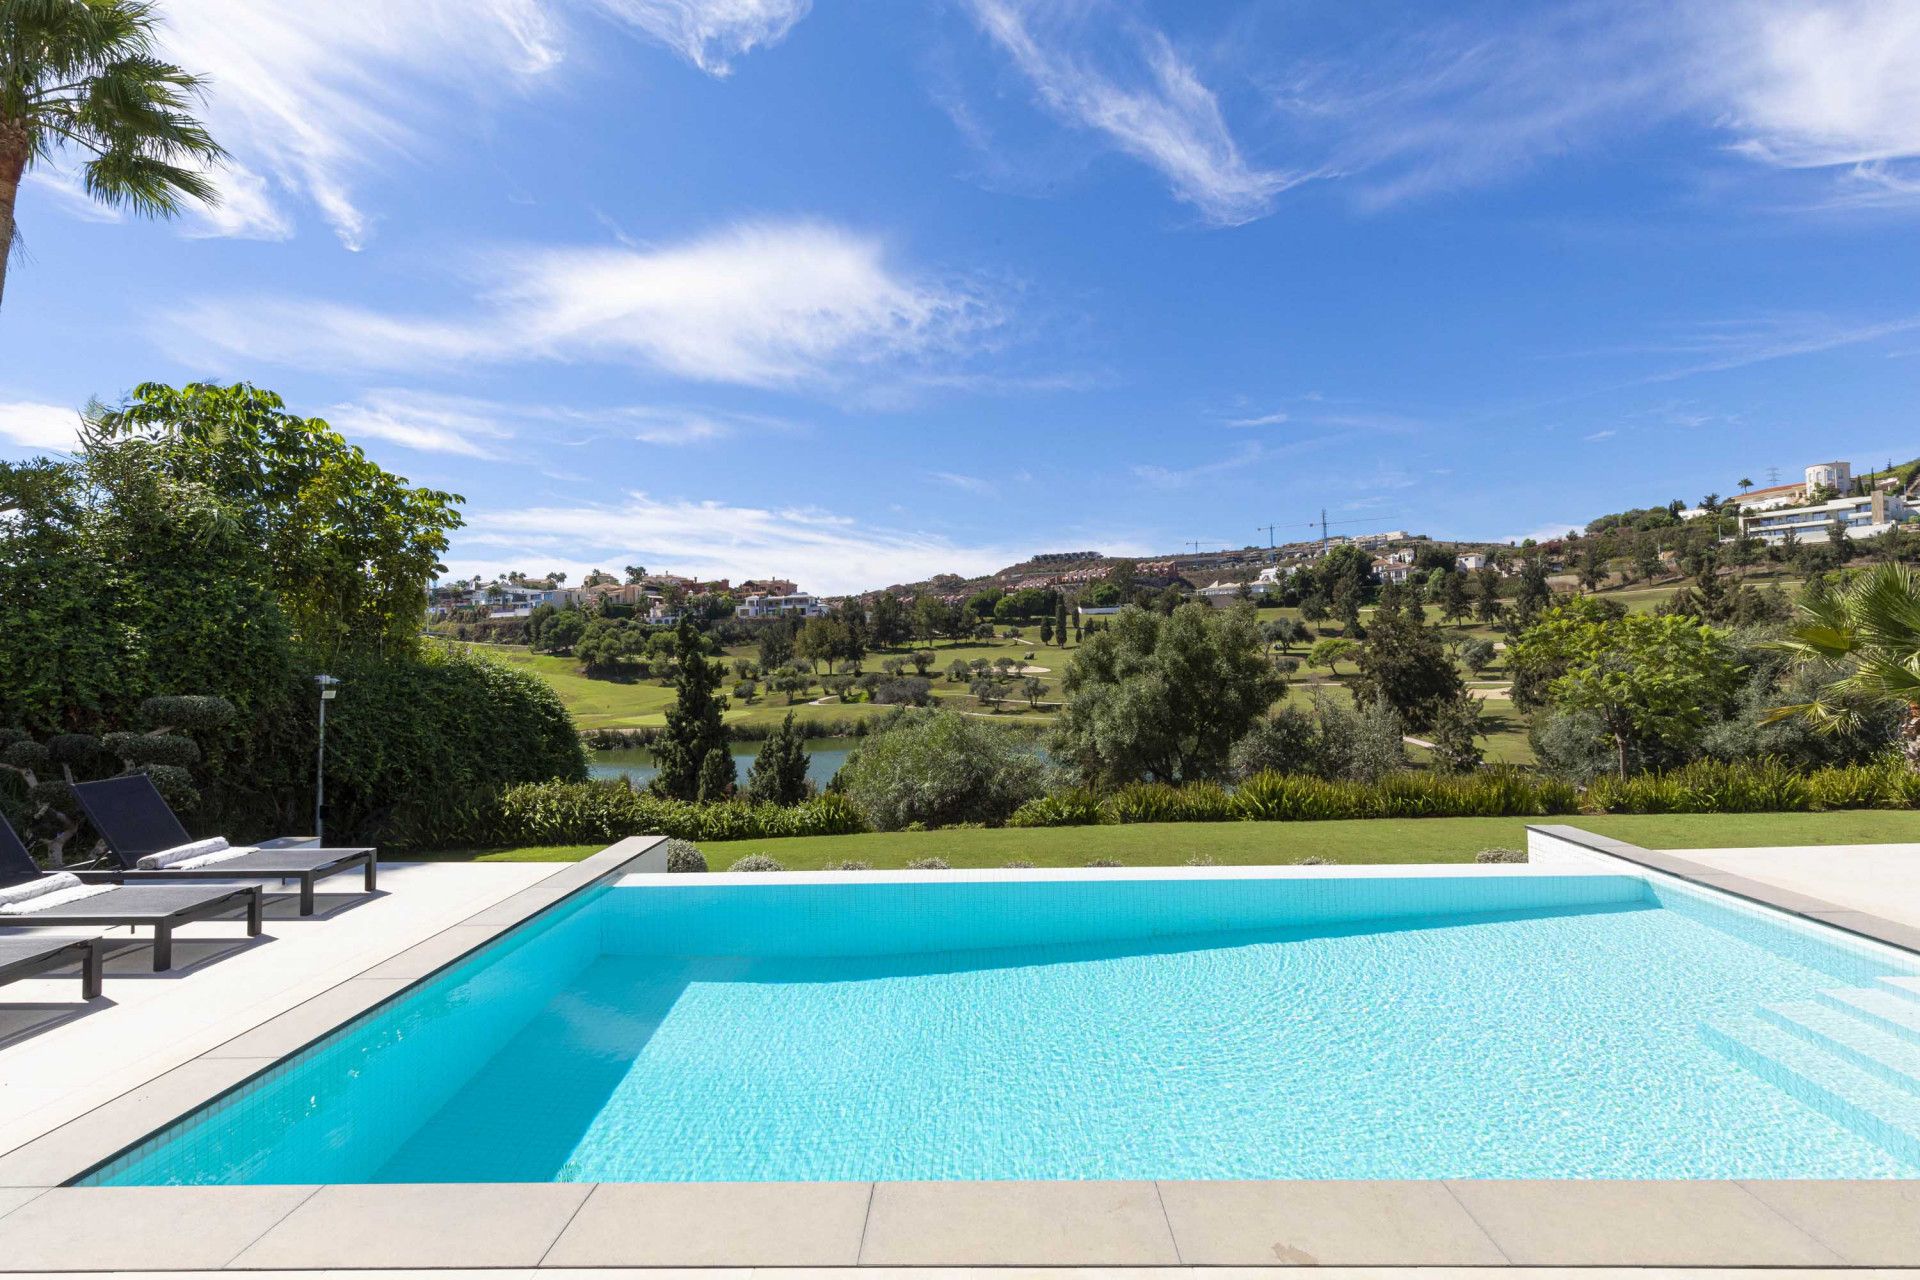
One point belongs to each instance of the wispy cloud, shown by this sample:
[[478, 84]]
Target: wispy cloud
[[481, 428], [1151, 103], [965, 483], [1182, 477], [820, 550], [1597, 436], [760, 304], [32, 425], [1262, 420], [1739, 343], [711, 33], [312, 98]]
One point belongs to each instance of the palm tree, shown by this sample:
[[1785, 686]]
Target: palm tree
[[83, 74], [1866, 637]]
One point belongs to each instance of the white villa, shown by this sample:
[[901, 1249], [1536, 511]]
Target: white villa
[[796, 605], [1863, 516]]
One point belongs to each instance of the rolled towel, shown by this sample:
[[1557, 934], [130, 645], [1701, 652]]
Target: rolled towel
[[219, 855], [182, 852], [55, 890]]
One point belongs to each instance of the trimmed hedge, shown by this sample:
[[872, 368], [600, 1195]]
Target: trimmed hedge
[[1279, 797], [1764, 786], [585, 812]]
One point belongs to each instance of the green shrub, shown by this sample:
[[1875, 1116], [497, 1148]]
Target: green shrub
[[929, 864], [584, 812], [1143, 802], [757, 862], [1501, 855], [684, 858], [940, 768], [1074, 807], [850, 864]]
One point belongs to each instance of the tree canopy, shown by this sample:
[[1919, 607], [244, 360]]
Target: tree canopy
[[1164, 698]]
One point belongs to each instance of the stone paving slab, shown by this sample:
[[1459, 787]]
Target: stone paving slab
[[1868, 1223], [1317, 1223], [1017, 1223], [716, 1224], [161, 1228], [1627, 1223], [420, 1225]]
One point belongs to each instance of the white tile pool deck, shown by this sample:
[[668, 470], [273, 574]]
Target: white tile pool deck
[[264, 1010]]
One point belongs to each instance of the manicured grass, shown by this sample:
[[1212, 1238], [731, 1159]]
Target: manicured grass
[[1387, 840]]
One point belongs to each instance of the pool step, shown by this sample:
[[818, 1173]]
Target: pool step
[[1884, 1113], [1892, 1009], [1865, 1043]]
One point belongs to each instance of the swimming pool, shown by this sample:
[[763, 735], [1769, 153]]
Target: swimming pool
[[1053, 1026]]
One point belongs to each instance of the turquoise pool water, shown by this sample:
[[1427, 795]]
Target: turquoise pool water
[[1338, 1027]]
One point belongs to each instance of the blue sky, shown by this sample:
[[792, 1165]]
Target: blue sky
[[855, 291]]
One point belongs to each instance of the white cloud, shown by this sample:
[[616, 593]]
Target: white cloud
[[1261, 420], [1813, 85], [821, 551], [710, 33], [964, 483], [1157, 110], [761, 304], [481, 428], [1181, 477], [311, 98], [39, 426], [1597, 436]]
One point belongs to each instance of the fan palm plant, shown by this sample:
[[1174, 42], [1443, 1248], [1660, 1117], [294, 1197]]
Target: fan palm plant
[[1865, 639], [82, 76]]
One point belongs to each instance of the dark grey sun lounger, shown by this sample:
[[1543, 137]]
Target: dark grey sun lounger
[[24, 957], [131, 815], [160, 907]]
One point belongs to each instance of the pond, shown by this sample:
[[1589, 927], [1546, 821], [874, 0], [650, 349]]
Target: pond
[[635, 764]]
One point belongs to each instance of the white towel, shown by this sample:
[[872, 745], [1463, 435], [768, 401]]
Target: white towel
[[219, 855], [60, 896], [26, 890], [180, 853]]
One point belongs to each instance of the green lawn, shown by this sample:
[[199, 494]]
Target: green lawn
[[1254, 843]]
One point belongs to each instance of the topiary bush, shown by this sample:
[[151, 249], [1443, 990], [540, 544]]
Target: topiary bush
[[685, 858]]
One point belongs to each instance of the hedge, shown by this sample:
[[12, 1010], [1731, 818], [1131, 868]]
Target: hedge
[[1277, 797], [585, 812], [1763, 786]]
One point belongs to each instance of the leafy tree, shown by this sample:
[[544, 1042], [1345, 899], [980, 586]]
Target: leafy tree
[[1455, 732], [1654, 682], [1046, 630], [562, 631], [888, 621], [1456, 605], [779, 772], [933, 617], [1403, 664], [85, 76], [1476, 654], [1534, 594], [350, 547], [1330, 651], [1862, 642], [1486, 581], [696, 732], [1034, 688], [822, 641], [940, 767], [1593, 569], [1164, 698]]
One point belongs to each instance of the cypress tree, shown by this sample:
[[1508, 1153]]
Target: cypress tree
[[1060, 622], [695, 731], [779, 773]]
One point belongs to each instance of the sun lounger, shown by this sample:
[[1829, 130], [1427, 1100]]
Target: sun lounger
[[160, 907], [137, 824], [25, 956]]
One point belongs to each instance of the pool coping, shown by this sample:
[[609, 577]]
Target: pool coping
[[47, 1226]]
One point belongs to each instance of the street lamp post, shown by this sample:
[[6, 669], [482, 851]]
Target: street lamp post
[[328, 687]]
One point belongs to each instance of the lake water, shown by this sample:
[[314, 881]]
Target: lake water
[[824, 758]]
